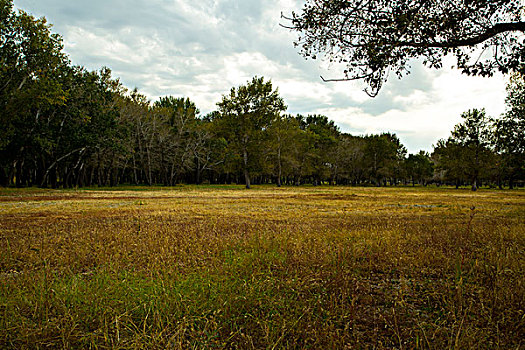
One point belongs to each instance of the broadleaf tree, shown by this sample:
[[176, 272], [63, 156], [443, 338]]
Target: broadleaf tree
[[510, 131], [245, 115], [31, 65], [375, 37], [467, 153]]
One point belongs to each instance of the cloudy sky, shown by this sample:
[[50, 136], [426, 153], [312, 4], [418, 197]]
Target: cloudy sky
[[203, 48]]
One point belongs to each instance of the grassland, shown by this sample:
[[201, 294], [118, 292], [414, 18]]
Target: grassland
[[222, 267]]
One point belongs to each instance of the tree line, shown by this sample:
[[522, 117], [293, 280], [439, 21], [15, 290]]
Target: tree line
[[65, 126]]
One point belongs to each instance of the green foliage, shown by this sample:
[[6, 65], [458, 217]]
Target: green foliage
[[466, 155], [509, 136], [323, 134], [283, 146], [31, 62], [246, 113], [181, 111], [383, 156], [419, 167], [350, 159]]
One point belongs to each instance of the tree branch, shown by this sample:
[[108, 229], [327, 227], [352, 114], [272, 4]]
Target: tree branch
[[489, 33]]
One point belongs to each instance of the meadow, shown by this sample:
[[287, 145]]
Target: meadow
[[222, 267]]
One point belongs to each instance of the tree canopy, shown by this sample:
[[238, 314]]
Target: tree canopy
[[467, 151], [246, 113], [376, 37], [510, 131]]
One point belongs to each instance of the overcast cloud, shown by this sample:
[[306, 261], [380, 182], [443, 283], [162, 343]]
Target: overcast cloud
[[201, 49]]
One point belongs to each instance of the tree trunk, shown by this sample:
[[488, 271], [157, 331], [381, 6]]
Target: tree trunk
[[20, 167], [246, 174], [280, 167], [148, 154]]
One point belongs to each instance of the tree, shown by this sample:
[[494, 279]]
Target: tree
[[180, 118], [245, 114], [31, 65], [82, 132], [324, 134], [383, 156], [349, 159], [419, 167], [510, 131], [375, 37], [207, 149], [284, 136], [303, 150], [474, 136], [466, 155], [448, 157]]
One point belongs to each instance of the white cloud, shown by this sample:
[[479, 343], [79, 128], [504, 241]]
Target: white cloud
[[201, 49], [426, 116]]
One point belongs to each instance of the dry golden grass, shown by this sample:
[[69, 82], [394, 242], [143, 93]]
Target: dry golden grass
[[222, 267]]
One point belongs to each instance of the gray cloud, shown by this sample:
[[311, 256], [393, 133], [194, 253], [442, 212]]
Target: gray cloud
[[201, 49]]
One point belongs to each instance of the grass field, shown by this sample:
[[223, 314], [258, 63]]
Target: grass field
[[223, 267]]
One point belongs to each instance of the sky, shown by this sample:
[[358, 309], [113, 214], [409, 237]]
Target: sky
[[202, 48]]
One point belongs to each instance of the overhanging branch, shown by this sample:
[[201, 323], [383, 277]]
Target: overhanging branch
[[489, 33]]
